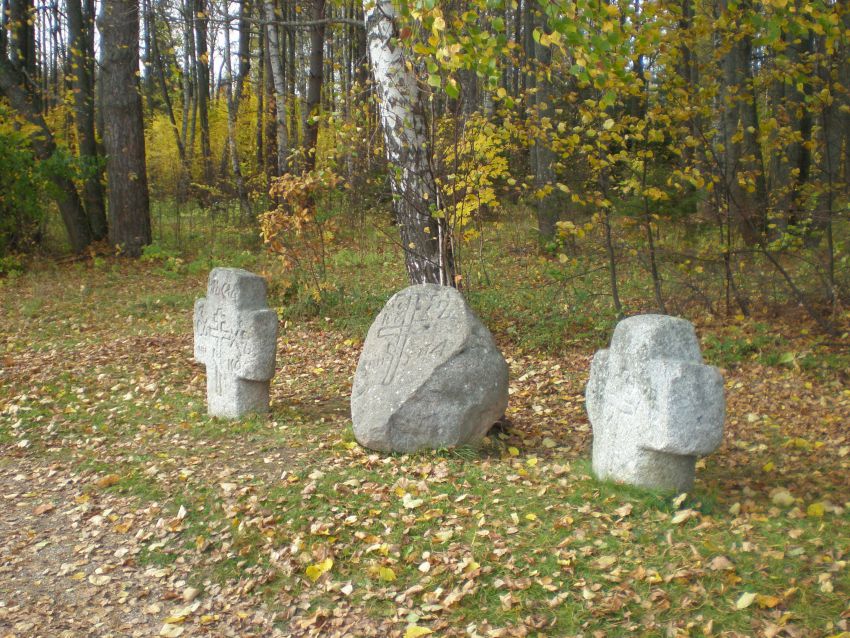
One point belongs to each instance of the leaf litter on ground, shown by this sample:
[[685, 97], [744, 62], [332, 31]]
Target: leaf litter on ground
[[131, 513]]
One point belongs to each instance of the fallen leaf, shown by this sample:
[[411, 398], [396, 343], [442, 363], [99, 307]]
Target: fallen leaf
[[745, 600], [315, 571], [171, 631], [107, 481], [815, 510], [386, 574], [782, 497], [721, 563], [683, 515], [43, 509], [624, 511], [767, 602], [414, 631], [99, 580], [410, 502]]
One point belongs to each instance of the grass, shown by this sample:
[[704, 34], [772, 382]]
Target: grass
[[517, 535]]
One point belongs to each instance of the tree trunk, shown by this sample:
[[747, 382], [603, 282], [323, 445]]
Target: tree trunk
[[123, 133], [260, 91], [16, 88], [202, 83], [277, 73], [544, 157], [743, 156], [79, 40], [270, 118], [148, 23], [232, 105], [23, 54], [188, 81], [425, 239], [314, 82], [244, 49], [790, 163], [4, 18]]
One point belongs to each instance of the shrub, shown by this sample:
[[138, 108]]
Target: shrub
[[21, 187]]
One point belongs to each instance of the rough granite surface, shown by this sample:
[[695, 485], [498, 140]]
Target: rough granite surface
[[653, 404], [430, 374], [236, 338]]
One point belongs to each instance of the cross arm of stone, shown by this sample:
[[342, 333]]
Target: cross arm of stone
[[687, 409], [199, 316], [258, 362]]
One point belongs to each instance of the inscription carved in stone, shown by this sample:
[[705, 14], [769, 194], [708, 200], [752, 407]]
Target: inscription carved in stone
[[429, 374], [235, 337]]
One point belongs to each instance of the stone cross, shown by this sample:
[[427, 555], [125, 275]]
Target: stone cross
[[236, 338], [653, 404]]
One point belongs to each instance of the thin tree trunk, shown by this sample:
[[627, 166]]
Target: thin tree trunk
[[124, 134], [291, 75], [244, 50], [244, 204], [314, 82], [276, 64], [424, 238], [270, 119], [188, 77], [544, 156], [23, 97], [83, 91], [202, 83], [148, 23], [23, 54], [185, 168], [260, 92], [743, 156], [4, 19]]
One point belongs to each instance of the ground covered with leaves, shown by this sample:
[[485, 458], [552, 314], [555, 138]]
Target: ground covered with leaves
[[128, 512]]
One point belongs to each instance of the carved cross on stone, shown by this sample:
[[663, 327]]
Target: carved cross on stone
[[236, 338], [653, 404], [416, 318], [430, 374]]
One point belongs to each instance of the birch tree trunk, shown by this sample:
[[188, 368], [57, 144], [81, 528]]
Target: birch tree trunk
[[425, 238], [314, 82], [276, 64], [232, 108]]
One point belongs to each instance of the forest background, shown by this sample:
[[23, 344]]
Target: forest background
[[703, 148]]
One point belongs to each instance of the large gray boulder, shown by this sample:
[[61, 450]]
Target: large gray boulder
[[653, 404], [236, 338], [430, 374]]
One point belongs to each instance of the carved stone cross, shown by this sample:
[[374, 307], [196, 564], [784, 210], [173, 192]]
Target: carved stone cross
[[236, 338], [653, 404]]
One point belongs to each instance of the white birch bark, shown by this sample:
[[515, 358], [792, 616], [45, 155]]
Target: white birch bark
[[232, 112], [273, 43], [424, 237]]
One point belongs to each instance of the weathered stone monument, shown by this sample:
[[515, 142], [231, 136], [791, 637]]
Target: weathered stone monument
[[430, 374], [653, 404], [236, 338]]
